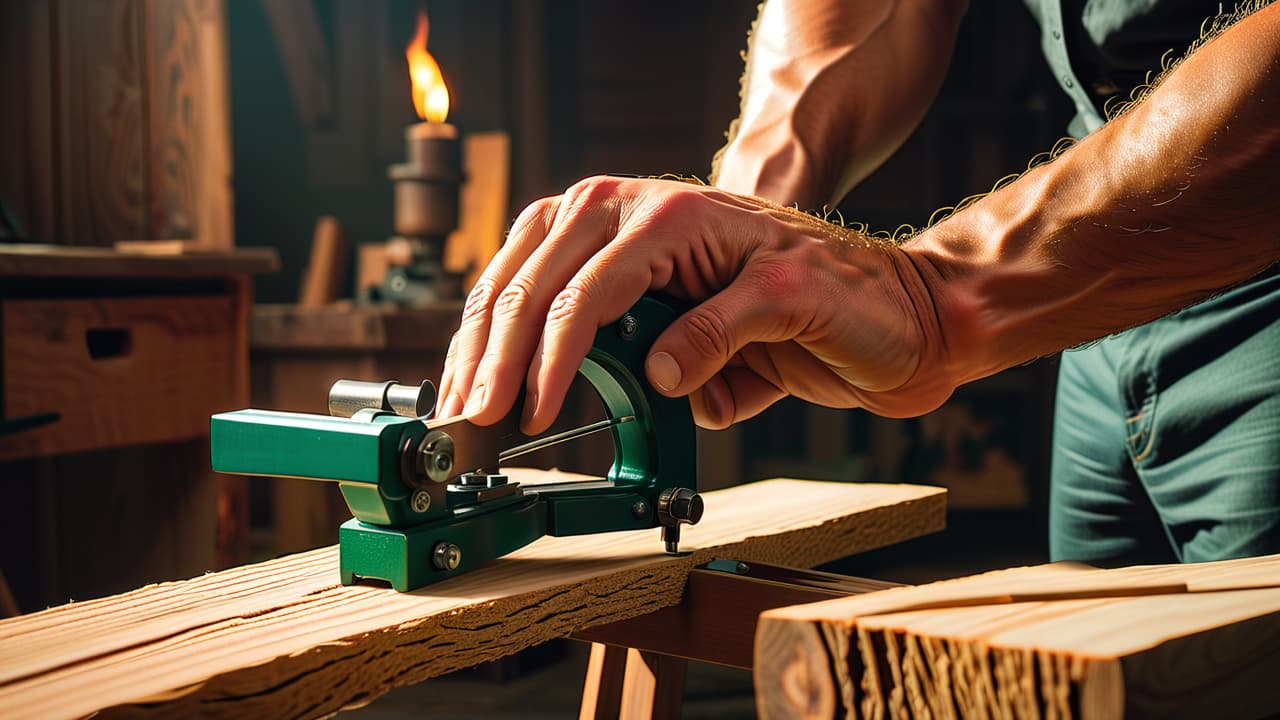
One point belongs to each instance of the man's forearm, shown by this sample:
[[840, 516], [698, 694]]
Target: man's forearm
[[1160, 208], [832, 88]]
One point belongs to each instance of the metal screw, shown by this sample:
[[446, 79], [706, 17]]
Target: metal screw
[[420, 502], [437, 455], [446, 556], [742, 568], [640, 509], [627, 326]]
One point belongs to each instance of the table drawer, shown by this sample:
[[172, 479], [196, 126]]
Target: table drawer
[[120, 371]]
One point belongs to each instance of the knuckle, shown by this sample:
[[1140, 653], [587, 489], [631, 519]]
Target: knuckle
[[779, 280], [589, 191], [708, 334], [676, 203], [537, 211], [478, 300], [515, 299], [568, 304]]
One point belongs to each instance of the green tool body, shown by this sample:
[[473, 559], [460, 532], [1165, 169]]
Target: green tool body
[[428, 497]]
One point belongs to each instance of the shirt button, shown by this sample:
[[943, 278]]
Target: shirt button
[[1067, 81]]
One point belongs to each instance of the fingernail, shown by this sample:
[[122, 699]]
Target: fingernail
[[452, 406], [475, 402], [664, 371]]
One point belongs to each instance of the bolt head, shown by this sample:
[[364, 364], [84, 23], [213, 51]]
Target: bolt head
[[627, 326], [640, 509], [420, 501], [446, 556]]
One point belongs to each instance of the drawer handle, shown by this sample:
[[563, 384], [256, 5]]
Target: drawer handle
[[105, 343]]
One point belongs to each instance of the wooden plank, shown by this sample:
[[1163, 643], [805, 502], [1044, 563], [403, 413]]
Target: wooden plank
[[37, 260], [283, 638], [189, 136], [1057, 641], [327, 268], [485, 207]]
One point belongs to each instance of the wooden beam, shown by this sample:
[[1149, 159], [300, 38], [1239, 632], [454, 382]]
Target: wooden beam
[[1060, 640], [715, 620], [283, 638]]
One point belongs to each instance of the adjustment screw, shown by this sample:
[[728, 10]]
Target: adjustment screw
[[677, 505], [640, 509], [627, 326], [420, 502], [436, 456], [446, 556], [742, 568]]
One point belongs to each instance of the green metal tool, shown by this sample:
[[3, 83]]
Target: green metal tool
[[428, 496]]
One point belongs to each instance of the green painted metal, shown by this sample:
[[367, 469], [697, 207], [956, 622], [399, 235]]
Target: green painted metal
[[403, 556], [366, 454]]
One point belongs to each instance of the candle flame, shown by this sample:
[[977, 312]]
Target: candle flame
[[430, 96]]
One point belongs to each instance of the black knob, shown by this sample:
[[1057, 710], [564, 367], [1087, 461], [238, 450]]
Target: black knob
[[679, 505]]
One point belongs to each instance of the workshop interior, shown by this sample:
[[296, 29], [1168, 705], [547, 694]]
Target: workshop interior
[[236, 239]]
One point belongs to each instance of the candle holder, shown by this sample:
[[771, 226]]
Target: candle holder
[[426, 212]]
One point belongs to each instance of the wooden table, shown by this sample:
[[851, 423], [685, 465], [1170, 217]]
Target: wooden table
[[133, 352], [284, 639]]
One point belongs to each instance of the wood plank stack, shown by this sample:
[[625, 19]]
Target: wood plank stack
[[1055, 641], [283, 638]]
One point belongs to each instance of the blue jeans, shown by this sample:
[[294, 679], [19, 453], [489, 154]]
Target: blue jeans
[[1167, 437]]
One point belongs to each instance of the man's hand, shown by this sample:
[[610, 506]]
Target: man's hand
[[788, 305]]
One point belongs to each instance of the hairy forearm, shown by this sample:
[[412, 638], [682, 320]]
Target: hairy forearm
[[1162, 207], [832, 88]]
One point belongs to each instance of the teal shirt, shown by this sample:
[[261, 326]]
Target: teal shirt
[[1099, 49]]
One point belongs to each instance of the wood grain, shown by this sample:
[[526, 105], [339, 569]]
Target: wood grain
[[1060, 640], [283, 639]]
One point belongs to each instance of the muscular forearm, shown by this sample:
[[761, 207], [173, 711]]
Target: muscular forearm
[[831, 89], [1160, 208]]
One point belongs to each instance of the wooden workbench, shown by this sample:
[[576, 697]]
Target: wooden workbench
[[284, 639]]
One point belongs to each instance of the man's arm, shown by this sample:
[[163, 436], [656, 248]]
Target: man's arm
[[832, 88], [1156, 210]]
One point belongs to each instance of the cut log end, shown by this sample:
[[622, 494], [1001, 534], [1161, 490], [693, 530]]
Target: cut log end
[[793, 673]]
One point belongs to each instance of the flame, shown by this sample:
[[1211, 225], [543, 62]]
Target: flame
[[430, 96]]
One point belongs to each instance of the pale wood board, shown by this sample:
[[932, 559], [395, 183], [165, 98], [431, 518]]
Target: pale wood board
[[1058, 640], [282, 638]]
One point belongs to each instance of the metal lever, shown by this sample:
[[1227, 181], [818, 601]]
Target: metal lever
[[571, 434]]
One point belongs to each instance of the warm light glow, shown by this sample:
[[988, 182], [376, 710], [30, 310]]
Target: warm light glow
[[430, 96]]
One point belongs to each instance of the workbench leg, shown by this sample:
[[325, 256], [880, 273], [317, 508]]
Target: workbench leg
[[629, 684]]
